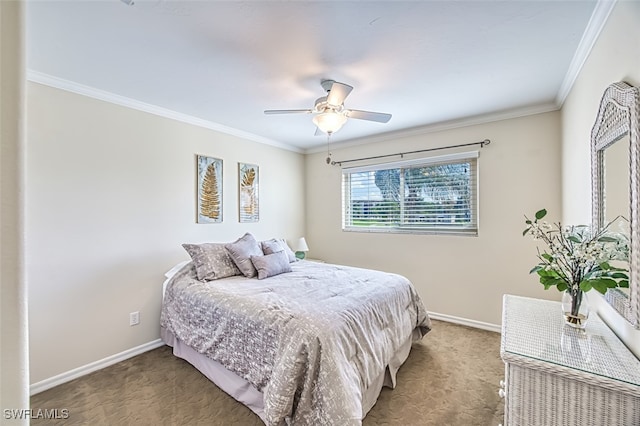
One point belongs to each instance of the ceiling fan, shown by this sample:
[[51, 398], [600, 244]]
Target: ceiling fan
[[330, 113]]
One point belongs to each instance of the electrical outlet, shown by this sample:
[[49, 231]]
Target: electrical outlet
[[134, 318]]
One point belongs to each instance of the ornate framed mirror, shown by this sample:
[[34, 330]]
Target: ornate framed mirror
[[615, 182]]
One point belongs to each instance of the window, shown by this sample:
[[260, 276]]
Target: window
[[428, 195]]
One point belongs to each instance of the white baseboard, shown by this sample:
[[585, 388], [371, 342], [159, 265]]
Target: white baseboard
[[468, 322], [129, 353], [94, 366]]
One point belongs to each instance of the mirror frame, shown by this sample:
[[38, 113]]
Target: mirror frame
[[617, 117]]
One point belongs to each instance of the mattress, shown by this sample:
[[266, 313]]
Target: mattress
[[312, 342]]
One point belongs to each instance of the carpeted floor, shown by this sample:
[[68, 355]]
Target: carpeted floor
[[451, 378]]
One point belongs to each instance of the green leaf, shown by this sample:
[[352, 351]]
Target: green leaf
[[540, 214], [547, 280], [555, 274], [562, 286], [618, 275], [605, 266], [528, 222], [600, 287], [602, 284], [605, 239], [610, 283], [585, 286], [551, 281], [574, 239], [525, 231], [613, 268], [548, 273], [547, 257], [536, 269], [623, 284]]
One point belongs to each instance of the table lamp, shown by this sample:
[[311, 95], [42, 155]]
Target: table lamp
[[301, 248]]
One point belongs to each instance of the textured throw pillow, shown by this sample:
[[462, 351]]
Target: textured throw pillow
[[275, 245], [241, 251], [271, 264], [211, 260]]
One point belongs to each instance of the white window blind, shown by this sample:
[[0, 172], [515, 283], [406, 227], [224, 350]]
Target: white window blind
[[429, 195]]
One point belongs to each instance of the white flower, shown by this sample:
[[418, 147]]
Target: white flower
[[578, 254]]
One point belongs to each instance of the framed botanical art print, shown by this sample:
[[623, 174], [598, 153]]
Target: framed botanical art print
[[209, 189], [249, 206]]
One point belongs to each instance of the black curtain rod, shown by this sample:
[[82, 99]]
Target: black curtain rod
[[401, 154]]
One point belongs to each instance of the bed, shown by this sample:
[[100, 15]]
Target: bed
[[311, 346]]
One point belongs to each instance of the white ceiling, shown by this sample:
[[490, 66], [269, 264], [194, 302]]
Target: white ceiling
[[222, 63]]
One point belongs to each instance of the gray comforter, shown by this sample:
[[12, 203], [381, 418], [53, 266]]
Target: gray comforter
[[311, 340]]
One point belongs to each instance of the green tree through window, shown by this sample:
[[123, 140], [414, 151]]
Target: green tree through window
[[436, 196]]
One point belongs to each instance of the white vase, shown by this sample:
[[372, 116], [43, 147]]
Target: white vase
[[575, 308]]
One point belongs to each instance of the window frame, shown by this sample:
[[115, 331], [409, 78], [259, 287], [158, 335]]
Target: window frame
[[469, 230]]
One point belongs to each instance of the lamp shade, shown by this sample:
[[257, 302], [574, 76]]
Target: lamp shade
[[329, 122], [302, 245]]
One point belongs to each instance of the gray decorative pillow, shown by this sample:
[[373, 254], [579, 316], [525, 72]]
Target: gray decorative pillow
[[275, 245], [211, 260], [241, 251], [271, 264]]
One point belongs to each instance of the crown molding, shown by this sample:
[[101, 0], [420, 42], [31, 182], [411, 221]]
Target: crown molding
[[596, 23], [594, 27], [91, 92], [440, 127], [70, 86]]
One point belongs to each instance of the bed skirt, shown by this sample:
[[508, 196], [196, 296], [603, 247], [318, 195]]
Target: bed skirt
[[245, 393]]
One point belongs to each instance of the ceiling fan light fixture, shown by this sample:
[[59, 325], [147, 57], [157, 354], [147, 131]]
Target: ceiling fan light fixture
[[329, 111], [329, 122]]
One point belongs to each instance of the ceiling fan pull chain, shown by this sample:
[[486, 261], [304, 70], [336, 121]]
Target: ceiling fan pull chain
[[328, 151]]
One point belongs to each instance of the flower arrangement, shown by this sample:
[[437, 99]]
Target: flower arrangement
[[578, 258]]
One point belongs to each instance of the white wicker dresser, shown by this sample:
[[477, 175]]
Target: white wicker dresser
[[556, 375]]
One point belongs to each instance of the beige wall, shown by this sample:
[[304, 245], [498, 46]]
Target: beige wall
[[110, 197], [458, 276], [615, 57], [14, 372]]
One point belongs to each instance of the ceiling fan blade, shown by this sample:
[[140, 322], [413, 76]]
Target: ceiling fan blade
[[380, 117], [338, 93], [288, 111], [318, 132]]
